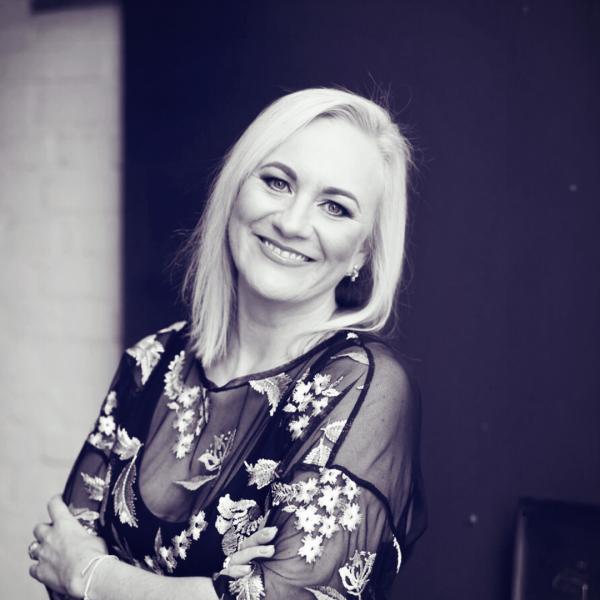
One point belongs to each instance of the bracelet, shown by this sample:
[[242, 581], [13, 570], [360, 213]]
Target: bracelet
[[93, 565]]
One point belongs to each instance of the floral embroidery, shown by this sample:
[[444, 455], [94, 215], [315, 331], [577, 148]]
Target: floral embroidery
[[237, 520], [324, 592], [308, 400], [127, 448], [94, 486], [86, 517], [359, 356], [249, 587], [178, 326], [273, 388], [321, 507], [165, 557], [355, 573], [190, 403], [320, 453], [262, 473], [103, 437], [212, 459], [147, 353]]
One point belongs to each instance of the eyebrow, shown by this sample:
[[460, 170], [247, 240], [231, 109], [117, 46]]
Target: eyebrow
[[334, 191]]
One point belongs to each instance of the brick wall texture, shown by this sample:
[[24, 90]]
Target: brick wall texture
[[59, 254]]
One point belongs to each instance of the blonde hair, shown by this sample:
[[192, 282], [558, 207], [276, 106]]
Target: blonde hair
[[210, 279]]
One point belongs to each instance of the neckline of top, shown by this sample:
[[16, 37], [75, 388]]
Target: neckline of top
[[244, 379]]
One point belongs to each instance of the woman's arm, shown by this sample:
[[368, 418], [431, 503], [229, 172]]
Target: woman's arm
[[65, 548]]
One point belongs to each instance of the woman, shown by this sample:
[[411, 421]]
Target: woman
[[273, 415]]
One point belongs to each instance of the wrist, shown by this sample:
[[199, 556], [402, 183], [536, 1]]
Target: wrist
[[87, 573]]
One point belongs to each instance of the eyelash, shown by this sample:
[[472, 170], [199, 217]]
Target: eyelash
[[271, 182]]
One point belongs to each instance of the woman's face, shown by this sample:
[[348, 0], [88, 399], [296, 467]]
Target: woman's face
[[300, 221]]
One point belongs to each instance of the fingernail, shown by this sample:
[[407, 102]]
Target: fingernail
[[246, 568], [268, 549]]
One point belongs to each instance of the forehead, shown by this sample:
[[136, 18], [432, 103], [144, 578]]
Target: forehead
[[335, 153]]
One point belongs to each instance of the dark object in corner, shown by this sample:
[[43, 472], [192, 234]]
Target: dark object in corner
[[557, 551]]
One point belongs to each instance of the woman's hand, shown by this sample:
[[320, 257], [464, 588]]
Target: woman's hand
[[254, 546], [63, 549]]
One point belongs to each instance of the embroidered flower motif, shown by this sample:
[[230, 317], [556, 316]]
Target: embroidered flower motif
[[311, 548], [111, 402], [321, 507], [309, 399], [103, 437], [328, 526], [273, 387], [298, 426], [351, 517], [166, 556], [181, 543], [330, 497], [106, 425], [307, 518], [262, 473], [355, 573], [147, 353], [190, 403]]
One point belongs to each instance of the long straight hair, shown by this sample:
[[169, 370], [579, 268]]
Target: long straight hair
[[210, 281]]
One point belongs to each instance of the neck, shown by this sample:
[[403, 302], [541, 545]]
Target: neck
[[268, 331]]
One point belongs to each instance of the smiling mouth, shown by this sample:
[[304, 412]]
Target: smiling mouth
[[284, 253]]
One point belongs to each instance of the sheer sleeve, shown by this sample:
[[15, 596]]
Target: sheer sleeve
[[348, 501], [86, 490]]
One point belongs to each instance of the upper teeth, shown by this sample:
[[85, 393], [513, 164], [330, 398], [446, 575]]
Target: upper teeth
[[284, 253]]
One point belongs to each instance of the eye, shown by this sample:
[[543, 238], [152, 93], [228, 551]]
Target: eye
[[334, 209], [277, 184]]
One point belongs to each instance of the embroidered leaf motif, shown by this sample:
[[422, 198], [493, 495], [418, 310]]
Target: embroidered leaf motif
[[127, 447], [214, 456], [195, 483], [124, 498], [147, 353], [325, 593], [359, 356], [351, 335], [178, 326], [94, 486], [355, 573], [318, 455], [262, 473], [249, 587], [398, 553], [84, 514], [333, 430], [273, 388]]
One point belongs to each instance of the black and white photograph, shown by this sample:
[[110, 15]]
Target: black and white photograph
[[300, 299]]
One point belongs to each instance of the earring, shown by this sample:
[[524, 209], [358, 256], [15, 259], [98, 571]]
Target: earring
[[354, 273]]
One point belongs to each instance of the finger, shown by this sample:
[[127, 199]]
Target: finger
[[44, 574], [41, 531], [243, 557], [262, 536], [57, 509], [237, 571]]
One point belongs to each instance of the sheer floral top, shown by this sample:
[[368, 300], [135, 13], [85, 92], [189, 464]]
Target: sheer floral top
[[177, 471]]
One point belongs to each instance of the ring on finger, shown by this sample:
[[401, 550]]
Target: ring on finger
[[32, 550]]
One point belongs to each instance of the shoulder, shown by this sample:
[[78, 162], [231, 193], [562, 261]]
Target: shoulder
[[147, 352]]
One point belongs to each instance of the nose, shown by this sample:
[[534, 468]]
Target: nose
[[293, 220]]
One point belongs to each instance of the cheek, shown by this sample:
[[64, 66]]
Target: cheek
[[341, 245]]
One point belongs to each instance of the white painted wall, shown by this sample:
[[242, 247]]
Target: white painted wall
[[59, 254]]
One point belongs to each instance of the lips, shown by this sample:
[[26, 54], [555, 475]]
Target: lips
[[284, 252]]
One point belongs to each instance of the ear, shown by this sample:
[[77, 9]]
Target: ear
[[361, 256]]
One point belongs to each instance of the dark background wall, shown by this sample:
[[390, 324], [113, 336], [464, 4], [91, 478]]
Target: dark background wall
[[501, 313]]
